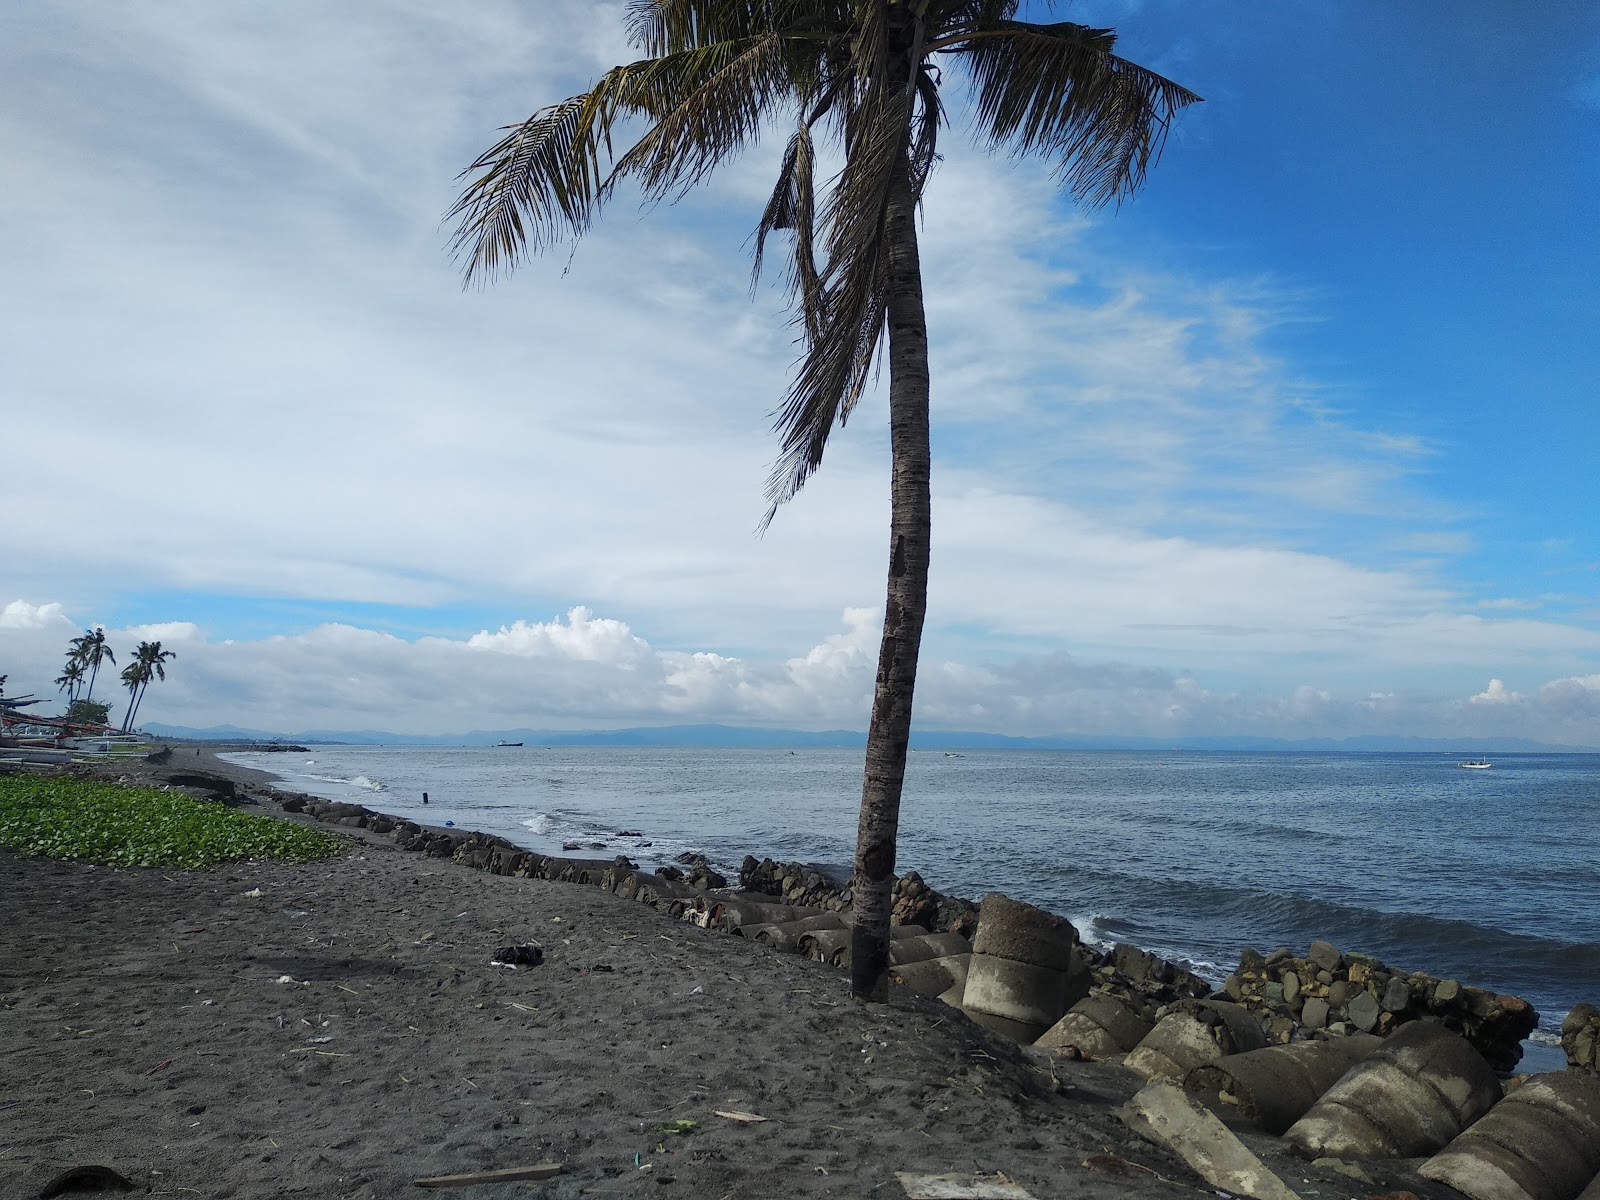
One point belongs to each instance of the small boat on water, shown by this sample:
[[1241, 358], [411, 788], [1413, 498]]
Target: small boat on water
[[1476, 764], [508, 743]]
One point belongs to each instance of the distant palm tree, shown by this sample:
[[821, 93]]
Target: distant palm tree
[[867, 76], [149, 662], [70, 680], [91, 650]]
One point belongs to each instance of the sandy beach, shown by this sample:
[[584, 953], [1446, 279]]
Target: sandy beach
[[337, 1029]]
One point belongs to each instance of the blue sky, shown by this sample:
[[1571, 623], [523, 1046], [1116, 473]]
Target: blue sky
[[1298, 442]]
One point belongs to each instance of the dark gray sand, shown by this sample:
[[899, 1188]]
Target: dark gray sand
[[336, 1030]]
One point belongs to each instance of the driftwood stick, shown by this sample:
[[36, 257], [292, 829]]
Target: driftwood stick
[[507, 1175]]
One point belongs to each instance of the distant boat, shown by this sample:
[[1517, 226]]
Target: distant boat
[[508, 743], [1476, 764]]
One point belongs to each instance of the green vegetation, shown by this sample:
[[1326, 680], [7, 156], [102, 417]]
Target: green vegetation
[[88, 712], [91, 821]]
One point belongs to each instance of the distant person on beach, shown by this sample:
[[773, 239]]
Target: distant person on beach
[[424, 797]]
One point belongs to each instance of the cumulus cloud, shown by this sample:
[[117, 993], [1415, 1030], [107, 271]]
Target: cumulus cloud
[[582, 670], [1496, 693]]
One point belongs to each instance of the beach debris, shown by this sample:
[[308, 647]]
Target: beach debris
[[162, 1065], [528, 954], [1163, 1113], [85, 1178], [961, 1187], [292, 981], [545, 1170], [681, 1126], [254, 893], [736, 1115]]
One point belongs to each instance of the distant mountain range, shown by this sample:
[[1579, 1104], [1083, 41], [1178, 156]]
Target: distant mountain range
[[729, 735]]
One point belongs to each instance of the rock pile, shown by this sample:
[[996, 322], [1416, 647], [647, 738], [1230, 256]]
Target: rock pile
[[1327, 991], [1142, 980], [1580, 1037], [913, 902]]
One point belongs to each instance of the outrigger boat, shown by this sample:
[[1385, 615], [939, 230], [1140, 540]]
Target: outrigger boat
[[1476, 764]]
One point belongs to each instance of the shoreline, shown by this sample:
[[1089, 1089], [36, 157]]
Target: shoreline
[[1541, 1049], [335, 1029]]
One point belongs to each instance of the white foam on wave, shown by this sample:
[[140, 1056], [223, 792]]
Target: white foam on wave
[[539, 823], [1089, 931], [355, 781], [1546, 1037]]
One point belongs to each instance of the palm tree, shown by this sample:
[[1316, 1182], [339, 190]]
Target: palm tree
[[149, 662], [70, 680], [91, 650], [866, 75]]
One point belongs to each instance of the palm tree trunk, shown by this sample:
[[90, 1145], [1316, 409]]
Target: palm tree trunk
[[889, 734]]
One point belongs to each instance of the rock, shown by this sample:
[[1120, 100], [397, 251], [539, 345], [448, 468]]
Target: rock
[[1291, 987], [1446, 992], [1314, 1014], [1163, 1114], [1325, 955], [1396, 996], [1364, 1010]]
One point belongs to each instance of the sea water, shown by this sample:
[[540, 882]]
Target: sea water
[[1488, 877]]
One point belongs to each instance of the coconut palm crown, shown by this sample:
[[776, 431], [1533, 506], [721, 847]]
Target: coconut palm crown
[[149, 662], [864, 80], [89, 651]]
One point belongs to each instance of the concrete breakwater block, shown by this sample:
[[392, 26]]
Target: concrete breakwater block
[[786, 936], [1275, 1086], [1408, 1098], [731, 913], [920, 945], [1542, 1142], [933, 976], [1098, 1026], [1199, 1032], [1025, 970], [1162, 1113]]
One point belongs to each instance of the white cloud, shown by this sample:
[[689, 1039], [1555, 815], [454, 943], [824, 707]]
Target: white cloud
[[19, 614], [586, 671], [244, 295], [1496, 693]]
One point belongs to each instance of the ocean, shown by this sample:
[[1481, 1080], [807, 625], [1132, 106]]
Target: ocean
[[1488, 877]]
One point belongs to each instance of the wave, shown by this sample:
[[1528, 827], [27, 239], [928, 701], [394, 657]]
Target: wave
[[355, 781]]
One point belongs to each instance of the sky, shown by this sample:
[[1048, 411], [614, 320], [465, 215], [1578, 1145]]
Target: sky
[[1299, 442]]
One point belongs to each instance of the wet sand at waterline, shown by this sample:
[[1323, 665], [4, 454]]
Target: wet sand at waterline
[[335, 1029]]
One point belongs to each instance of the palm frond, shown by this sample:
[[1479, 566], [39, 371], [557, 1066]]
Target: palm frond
[[660, 27], [792, 207], [845, 322], [708, 104], [1060, 90], [537, 184]]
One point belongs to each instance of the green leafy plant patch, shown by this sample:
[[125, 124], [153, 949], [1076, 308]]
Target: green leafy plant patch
[[89, 820]]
